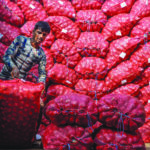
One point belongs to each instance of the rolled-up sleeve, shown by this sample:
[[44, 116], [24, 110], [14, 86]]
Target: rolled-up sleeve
[[41, 69], [7, 58]]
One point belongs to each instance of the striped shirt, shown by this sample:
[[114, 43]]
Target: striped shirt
[[21, 54]]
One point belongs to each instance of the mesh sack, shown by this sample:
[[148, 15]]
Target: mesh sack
[[59, 8], [91, 20], [140, 9], [11, 13], [68, 137], [72, 108], [57, 90], [124, 73], [61, 74], [115, 7], [64, 28], [65, 52], [124, 112], [142, 29], [130, 89], [108, 139], [19, 111], [92, 67], [117, 27], [92, 44], [91, 87], [32, 10], [87, 4], [8, 33], [120, 50], [141, 57]]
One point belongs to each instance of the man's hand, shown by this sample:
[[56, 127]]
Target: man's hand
[[41, 102], [15, 72], [43, 97]]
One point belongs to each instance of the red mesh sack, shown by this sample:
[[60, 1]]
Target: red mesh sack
[[130, 89], [121, 111], [68, 137], [120, 50], [87, 4], [61, 74], [92, 67], [91, 87], [64, 28], [32, 10], [27, 30], [142, 56], [92, 44], [57, 90], [117, 27], [8, 33], [145, 129], [11, 13], [59, 8], [91, 20], [140, 9], [142, 29], [3, 49], [144, 78], [108, 139], [112, 8], [19, 111], [124, 73], [65, 52], [72, 108], [145, 94]]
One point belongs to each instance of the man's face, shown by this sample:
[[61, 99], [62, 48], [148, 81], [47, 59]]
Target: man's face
[[39, 36]]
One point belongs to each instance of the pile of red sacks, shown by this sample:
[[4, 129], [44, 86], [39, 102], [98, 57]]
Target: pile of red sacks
[[111, 122], [95, 47]]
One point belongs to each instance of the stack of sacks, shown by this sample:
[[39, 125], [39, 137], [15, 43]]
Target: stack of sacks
[[72, 120], [122, 115], [66, 115], [95, 47]]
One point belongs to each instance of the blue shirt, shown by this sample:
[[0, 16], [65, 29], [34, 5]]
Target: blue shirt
[[21, 54]]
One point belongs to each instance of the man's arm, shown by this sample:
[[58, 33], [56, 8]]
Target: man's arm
[[7, 58], [41, 69], [42, 76]]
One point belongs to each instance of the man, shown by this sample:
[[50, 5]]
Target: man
[[24, 53]]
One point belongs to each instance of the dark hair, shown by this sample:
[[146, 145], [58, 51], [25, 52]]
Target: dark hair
[[44, 26]]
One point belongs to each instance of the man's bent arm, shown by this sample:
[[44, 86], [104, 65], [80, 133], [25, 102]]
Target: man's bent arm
[[41, 69], [7, 58]]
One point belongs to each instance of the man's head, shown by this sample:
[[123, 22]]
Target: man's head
[[41, 30]]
